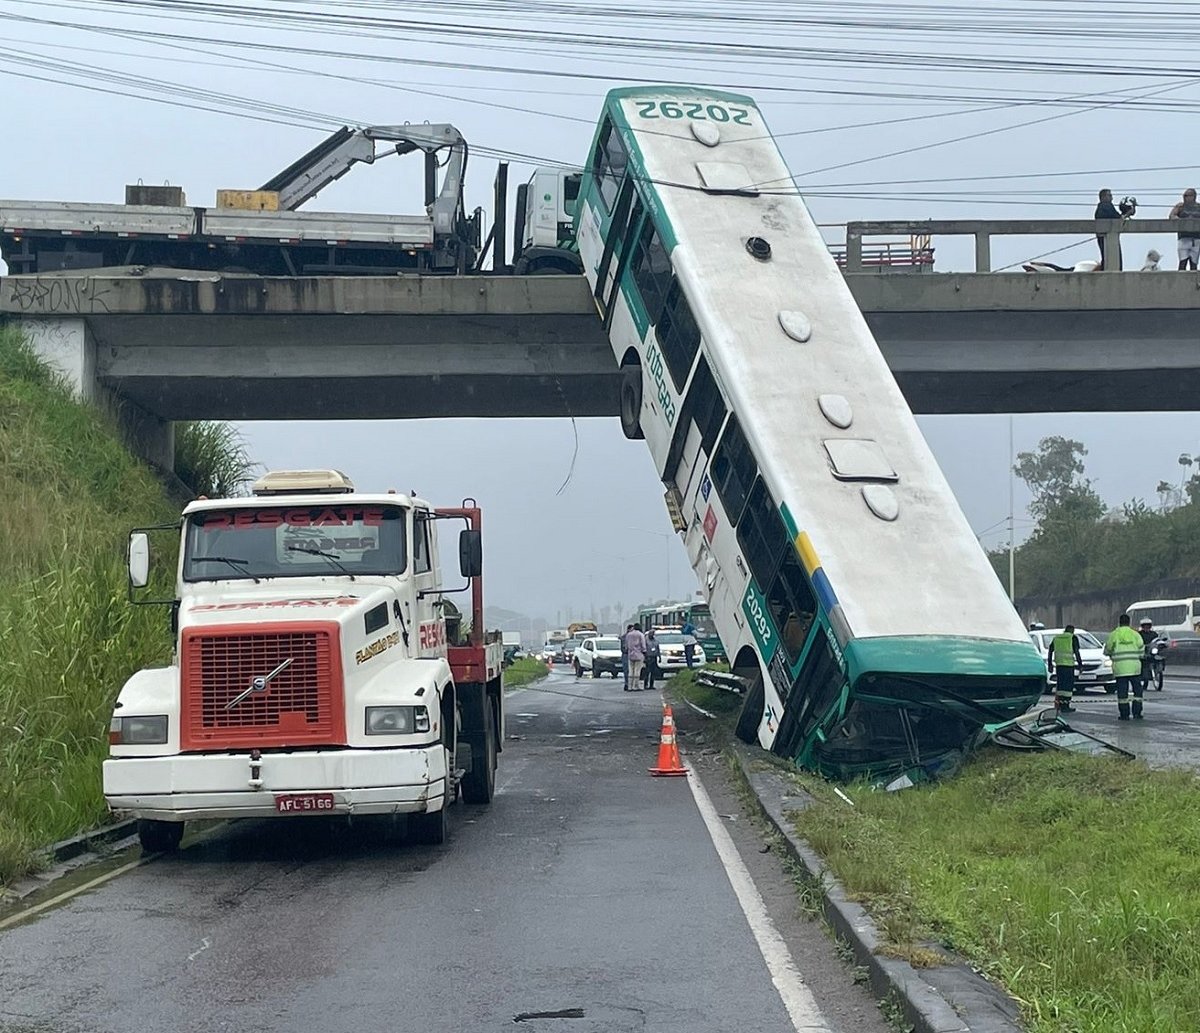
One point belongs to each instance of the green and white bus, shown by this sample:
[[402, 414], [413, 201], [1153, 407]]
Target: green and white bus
[[843, 579], [676, 615]]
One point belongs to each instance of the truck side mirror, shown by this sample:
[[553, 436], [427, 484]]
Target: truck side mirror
[[139, 559], [470, 553]]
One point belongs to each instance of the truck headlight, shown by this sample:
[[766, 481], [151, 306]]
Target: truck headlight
[[396, 720], [138, 731]]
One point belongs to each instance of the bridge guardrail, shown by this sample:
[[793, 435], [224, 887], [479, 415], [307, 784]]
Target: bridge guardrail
[[984, 229]]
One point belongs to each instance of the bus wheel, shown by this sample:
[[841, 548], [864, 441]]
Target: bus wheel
[[631, 402], [752, 711]]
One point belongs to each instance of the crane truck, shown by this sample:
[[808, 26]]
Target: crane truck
[[319, 667], [263, 233]]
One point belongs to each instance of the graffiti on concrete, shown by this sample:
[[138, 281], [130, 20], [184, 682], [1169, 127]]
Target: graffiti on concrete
[[54, 294]]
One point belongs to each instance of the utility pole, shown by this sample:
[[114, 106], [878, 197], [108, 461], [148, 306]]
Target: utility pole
[[1012, 588]]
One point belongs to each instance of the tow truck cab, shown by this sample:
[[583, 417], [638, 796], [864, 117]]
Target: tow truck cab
[[312, 672]]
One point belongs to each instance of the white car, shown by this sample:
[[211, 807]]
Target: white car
[[600, 656], [671, 655], [1097, 668]]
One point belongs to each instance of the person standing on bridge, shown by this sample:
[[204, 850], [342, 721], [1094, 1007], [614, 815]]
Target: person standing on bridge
[[635, 645], [1106, 210], [1189, 240], [1063, 656], [1125, 646]]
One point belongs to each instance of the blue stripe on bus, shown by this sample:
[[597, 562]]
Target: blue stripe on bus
[[825, 592]]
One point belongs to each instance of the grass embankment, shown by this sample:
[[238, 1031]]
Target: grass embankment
[[724, 706], [69, 492], [523, 671], [1073, 881]]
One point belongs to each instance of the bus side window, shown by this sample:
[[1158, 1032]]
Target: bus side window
[[678, 335], [761, 534], [793, 606], [609, 163], [651, 270], [706, 405], [733, 469]]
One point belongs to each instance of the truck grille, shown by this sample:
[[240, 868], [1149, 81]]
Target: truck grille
[[300, 705]]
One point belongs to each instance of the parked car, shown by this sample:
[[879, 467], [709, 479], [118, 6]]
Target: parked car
[[1097, 670], [600, 656], [671, 656]]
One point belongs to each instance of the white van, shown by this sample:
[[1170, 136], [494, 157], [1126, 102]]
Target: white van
[[1167, 614]]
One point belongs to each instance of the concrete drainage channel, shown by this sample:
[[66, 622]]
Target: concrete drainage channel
[[72, 854], [948, 998]]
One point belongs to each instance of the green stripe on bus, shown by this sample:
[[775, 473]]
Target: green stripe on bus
[[942, 654], [637, 162]]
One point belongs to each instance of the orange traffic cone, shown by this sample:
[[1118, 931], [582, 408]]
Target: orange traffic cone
[[668, 750]]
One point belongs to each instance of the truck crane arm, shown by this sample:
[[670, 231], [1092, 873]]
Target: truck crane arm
[[334, 157]]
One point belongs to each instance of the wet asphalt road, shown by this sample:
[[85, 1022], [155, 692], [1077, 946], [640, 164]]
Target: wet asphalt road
[[1168, 735], [586, 885]]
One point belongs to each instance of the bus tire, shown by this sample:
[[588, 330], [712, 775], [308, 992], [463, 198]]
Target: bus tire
[[631, 402], [752, 711]]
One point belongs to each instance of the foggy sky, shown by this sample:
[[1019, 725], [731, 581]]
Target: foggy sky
[[565, 536]]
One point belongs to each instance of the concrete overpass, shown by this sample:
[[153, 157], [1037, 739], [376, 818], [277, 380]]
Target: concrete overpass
[[174, 345]]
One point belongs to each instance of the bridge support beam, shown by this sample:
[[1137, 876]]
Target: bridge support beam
[[67, 346]]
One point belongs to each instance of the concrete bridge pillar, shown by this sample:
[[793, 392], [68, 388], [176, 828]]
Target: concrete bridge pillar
[[67, 345]]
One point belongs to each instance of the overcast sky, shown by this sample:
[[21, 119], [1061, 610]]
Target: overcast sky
[[575, 514]]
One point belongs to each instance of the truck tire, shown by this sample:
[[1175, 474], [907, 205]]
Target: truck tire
[[479, 784], [578, 669], [631, 402], [429, 828], [159, 837]]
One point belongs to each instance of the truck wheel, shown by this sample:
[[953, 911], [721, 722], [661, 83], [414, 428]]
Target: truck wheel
[[159, 837], [479, 784], [578, 669], [631, 402], [752, 711], [429, 828]]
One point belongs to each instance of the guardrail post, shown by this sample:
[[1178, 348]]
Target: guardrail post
[[853, 250], [1112, 248], [983, 252]]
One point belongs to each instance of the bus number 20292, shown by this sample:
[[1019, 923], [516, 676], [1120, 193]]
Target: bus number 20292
[[701, 112]]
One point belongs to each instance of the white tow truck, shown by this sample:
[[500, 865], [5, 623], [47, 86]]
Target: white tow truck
[[319, 667]]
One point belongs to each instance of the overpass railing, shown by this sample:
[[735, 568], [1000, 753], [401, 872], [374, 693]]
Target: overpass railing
[[860, 255]]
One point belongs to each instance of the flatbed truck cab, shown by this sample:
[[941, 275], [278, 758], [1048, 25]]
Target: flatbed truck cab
[[318, 666]]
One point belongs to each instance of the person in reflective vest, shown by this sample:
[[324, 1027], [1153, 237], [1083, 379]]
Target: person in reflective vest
[[1063, 657], [1125, 646]]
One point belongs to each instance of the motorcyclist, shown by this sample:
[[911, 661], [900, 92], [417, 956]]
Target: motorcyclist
[[1149, 637]]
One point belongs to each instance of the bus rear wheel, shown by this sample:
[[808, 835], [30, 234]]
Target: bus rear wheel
[[631, 402], [752, 711]]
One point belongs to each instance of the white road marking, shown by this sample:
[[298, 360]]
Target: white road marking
[[204, 945], [60, 898], [797, 998]]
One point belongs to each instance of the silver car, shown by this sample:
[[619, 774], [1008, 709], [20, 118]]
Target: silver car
[[671, 655]]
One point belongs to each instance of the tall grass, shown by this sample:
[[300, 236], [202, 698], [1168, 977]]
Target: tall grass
[[211, 458], [68, 638], [1074, 881]]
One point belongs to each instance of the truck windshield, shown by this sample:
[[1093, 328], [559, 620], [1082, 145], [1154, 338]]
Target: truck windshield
[[294, 541]]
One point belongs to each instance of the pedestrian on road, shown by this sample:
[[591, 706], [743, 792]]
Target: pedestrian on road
[[1189, 240], [625, 654], [1126, 648], [689, 642], [653, 651], [1149, 637], [1063, 656], [1107, 210], [635, 643]]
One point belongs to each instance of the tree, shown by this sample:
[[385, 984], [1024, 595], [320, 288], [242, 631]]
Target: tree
[[1054, 473]]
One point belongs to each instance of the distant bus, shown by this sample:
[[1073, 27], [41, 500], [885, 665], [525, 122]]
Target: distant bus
[[675, 615], [1168, 614]]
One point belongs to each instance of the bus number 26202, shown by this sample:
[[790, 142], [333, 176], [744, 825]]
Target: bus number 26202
[[689, 109]]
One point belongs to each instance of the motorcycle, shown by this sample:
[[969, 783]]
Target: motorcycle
[[1157, 660]]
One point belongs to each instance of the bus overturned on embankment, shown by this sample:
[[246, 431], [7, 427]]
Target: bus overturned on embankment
[[844, 580]]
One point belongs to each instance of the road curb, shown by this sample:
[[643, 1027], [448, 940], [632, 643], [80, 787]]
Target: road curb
[[950, 998], [87, 842]]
